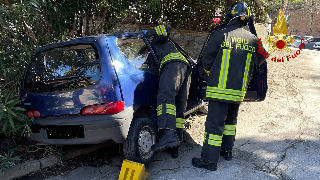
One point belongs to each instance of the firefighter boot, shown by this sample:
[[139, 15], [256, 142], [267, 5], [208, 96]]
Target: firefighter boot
[[226, 154], [179, 132], [201, 163], [169, 139], [175, 152]]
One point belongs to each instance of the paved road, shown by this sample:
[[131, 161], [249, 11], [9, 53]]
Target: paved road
[[278, 138]]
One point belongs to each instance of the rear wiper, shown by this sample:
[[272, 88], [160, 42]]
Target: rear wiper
[[68, 80]]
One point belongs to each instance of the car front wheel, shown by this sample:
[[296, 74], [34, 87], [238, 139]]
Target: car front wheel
[[142, 135]]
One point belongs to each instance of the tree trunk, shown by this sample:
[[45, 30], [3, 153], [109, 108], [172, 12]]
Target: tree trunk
[[314, 11], [310, 25], [87, 29], [103, 20], [80, 31], [312, 15], [72, 31], [259, 4], [30, 34]]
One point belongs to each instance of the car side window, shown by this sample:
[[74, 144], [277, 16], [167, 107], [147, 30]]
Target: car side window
[[136, 51]]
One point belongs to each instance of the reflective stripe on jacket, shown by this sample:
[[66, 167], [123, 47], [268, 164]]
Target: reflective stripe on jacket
[[166, 51], [228, 59], [173, 57]]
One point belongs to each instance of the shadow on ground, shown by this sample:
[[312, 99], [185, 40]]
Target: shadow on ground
[[253, 159]]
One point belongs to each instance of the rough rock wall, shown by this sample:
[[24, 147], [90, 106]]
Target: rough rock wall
[[192, 41]]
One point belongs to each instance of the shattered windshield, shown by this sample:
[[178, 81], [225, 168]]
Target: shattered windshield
[[65, 68]]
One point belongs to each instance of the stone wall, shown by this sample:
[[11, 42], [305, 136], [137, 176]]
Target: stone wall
[[192, 41]]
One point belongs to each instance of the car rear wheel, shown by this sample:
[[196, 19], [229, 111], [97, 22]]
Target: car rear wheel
[[142, 135]]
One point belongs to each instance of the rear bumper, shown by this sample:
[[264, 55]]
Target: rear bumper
[[71, 130]]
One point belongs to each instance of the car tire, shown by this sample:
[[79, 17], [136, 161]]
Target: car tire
[[142, 135]]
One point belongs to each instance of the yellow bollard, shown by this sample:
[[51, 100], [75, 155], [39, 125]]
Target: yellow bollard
[[133, 171]]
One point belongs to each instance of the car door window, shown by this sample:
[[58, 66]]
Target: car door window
[[136, 51]]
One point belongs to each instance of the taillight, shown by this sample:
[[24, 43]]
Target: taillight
[[33, 113], [108, 108]]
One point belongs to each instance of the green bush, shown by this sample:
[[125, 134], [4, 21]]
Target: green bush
[[13, 121], [8, 160]]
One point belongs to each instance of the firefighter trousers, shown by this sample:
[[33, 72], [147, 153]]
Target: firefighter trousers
[[220, 129], [172, 95]]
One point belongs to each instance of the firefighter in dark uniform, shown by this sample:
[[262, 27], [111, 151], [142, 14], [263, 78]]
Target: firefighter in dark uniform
[[174, 82], [227, 58]]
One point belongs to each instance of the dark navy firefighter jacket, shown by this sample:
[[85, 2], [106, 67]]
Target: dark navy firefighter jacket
[[164, 49], [228, 58]]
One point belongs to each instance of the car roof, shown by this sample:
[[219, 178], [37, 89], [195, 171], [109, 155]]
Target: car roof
[[88, 39]]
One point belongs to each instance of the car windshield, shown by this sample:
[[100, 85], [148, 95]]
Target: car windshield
[[65, 68]]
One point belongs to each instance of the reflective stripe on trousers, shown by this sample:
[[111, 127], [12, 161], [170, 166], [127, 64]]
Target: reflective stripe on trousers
[[159, 110], [211, 139], [216, 140], [169, 109], [180, 123], [229, 130]]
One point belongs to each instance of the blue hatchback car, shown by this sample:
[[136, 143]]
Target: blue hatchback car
[[94, 89]]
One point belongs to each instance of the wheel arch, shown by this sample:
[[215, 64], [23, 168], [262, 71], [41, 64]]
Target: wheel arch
[[146, 112]]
